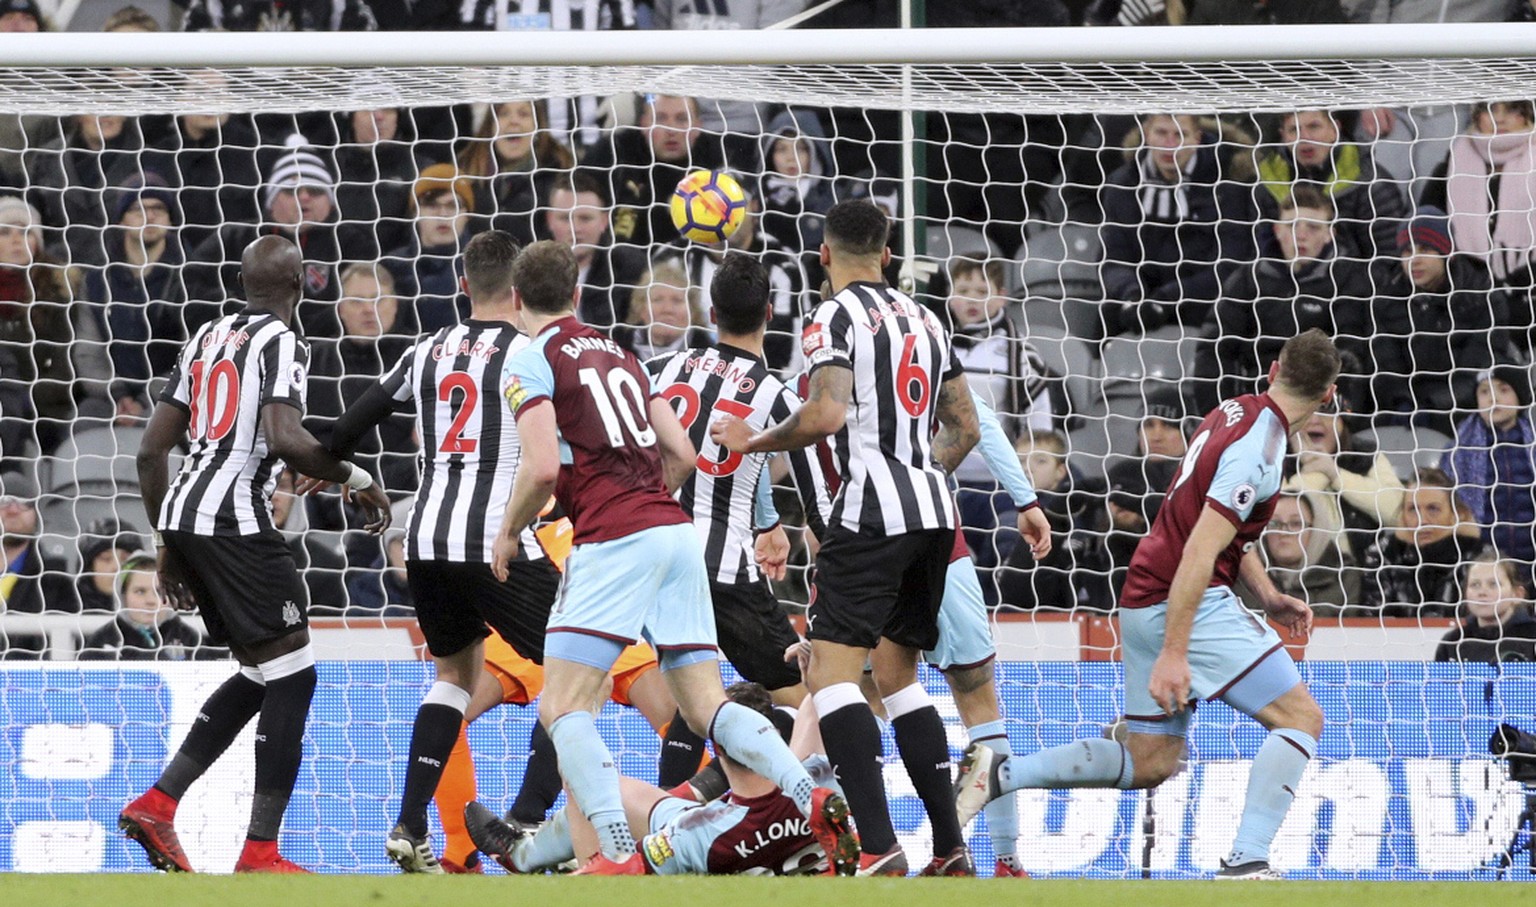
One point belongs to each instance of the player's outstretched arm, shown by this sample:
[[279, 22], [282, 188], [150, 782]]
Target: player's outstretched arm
[[678, 457], [958, 429], [537, 473], [290, 440], [1170, 674], [823, 413], [1286, 610]]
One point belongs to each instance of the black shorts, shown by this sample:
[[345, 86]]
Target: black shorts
[[247, 587], [753, 632], [869, 586], [455, 601]]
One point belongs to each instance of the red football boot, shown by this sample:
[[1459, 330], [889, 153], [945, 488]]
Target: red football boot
[[602, 866], [890, 863], [151, 821], [262, 856], [1004, 871], [829, 822]]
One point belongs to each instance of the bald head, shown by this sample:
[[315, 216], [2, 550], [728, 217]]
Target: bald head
[[272, 271]]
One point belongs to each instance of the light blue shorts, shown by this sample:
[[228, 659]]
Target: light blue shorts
[[965, 635], [651, 584], [1233, 655]]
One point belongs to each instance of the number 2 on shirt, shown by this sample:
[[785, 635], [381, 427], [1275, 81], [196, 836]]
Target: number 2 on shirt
[[454, 441], [621, 398]]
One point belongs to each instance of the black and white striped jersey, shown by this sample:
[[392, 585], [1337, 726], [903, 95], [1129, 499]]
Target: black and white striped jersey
[[899, 355], [231, 368], [469, 444], [703, 384]]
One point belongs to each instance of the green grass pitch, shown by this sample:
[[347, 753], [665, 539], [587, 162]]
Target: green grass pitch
[[398, 891]]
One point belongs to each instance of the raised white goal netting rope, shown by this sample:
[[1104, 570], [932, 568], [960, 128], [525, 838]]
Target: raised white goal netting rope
[[1122, 226]]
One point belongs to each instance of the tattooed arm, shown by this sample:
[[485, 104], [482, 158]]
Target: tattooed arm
[[958, 429]]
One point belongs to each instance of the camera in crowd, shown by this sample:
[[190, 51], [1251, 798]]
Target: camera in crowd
[[1517, 748]]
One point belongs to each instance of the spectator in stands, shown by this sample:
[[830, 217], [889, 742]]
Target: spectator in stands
[[104, 546], [799, 184], [130, 19], [578, 217], [428, 268], [1493, 462], [298, 203], [376, 331], [18, 132], [1498, 625], [786, 279], [1490, 186], [381, 590], [1303, 559], [1309, 285], [1051, 583], [1434, 326], [277, 15], [31, 582], [1357, 490], [645, 163], [133, 316], [146, 628], [72, 176], [1368, 202], [664, 315], [210, 160], [35, 330], [512, 162], [22, 16], [1138, 484], [322, 565], [1176, 225], [1411, 572], [377, 162]]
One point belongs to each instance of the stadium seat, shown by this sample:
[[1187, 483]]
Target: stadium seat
[[946, 240], [1073, 360], [1409, 448], [94, 457], [1132, 364]]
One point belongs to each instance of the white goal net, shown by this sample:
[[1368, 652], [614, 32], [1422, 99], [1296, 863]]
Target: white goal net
[[1120, 226]]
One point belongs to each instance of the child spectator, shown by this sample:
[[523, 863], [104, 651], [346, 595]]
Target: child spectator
[[1357, 489], [1025, 583], [1412, 570], [146, 628], [382, 590], [512, 162], [104, 547], [1498, 625], [1493, 462], [428, 267], [1303, 558], [1138, 484], [322, 565], [798, 184]]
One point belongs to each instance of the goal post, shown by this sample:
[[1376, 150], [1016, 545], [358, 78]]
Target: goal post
[[1039, 225]]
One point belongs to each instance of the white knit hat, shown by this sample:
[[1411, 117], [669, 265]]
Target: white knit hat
[[298, 167], [15, 212]]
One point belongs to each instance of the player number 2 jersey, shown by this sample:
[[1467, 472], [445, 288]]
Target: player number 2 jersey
[[611, 482], [1233, 464], [899, 355], [230, 369]]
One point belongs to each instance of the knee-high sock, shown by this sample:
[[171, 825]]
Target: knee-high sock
[[1092, 762], [852, 739], [593, 777], [438, 722], [291, 682], [924, 749], [752, 740], [221, 719], [541, 779], [1272, 782], [681, 752], [456, 790], [1003, 813]]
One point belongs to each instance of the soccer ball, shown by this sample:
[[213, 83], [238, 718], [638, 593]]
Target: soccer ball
[[708, 206]]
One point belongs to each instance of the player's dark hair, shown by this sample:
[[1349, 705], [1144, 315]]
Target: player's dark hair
[[857, 227], [544, 275], [1309, 364], [1306, 195], [754, 696], [739, 293], [488, 263]]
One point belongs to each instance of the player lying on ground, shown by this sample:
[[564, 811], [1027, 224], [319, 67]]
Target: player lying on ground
[[1187, 636], [511, 679], [754, 829], [237, 392]]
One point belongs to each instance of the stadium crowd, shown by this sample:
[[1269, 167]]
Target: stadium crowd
[[1076, 259]]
